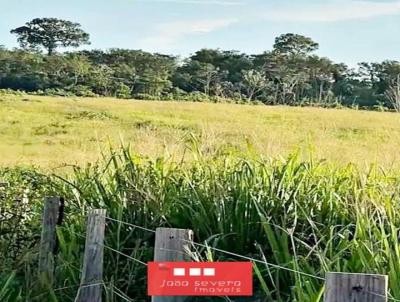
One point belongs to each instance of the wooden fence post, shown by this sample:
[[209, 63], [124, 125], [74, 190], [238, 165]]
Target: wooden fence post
[[345, 287], [48, 241], [92, 271], [172, 245]]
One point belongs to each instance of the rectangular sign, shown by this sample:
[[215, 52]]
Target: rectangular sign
[[200, 279]]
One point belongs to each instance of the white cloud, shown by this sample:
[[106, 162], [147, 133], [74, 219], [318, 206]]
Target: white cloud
[[169, 34], [343, 10]]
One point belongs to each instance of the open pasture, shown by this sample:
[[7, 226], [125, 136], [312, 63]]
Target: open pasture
[[50, 132]]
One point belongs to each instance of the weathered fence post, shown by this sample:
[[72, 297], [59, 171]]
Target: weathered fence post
[[48, 241], [92, 272], [172, 245], [345, 287]]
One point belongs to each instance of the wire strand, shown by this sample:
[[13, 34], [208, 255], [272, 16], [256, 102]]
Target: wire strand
[[219, 250], [382, 296], [71, 265], [204, 246], [79, 285], [255, 260], [127, 256], [130, 224], [114, 250], [79, 235], [69, 287], [120, 294]]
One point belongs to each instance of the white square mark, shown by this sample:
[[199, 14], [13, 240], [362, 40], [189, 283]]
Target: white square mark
[[209, 272], [195, 272], [179, 272]]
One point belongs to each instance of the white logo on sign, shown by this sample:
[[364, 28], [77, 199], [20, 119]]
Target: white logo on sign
[[209, 272], [179, 272]]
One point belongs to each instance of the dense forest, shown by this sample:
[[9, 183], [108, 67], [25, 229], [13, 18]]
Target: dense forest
[[289, 73]]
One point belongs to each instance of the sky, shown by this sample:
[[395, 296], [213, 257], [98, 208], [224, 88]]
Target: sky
[[348, 31]]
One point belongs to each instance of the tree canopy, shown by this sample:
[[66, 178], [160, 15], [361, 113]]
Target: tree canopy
[[294, 44], [290, 73], [50, 33]]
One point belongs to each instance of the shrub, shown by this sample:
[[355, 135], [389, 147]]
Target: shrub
[[57, 92], [123, 91], [145, 96], [82, 91], [12, 92], [197, 96], [90, 115]]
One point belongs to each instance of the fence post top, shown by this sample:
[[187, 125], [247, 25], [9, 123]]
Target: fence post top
[[98, 212], [175, 229], [52, 199], [355, 274]]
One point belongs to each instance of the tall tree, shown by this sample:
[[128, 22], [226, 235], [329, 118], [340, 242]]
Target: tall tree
[[294, 44], [393, 93], [254, 81], [51, 33]]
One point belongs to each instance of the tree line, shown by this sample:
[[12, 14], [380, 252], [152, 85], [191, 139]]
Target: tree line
[[290, 73]]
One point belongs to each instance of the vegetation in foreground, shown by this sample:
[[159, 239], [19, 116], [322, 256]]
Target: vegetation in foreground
[[50, 132], [307, 216]]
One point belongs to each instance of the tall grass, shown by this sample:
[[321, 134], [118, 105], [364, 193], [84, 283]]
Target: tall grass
[[309, 216]]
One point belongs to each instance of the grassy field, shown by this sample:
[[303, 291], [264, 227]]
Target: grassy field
[[50, 132], [303, 215]]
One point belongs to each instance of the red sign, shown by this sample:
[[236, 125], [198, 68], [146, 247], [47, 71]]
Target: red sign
[[200, 279]]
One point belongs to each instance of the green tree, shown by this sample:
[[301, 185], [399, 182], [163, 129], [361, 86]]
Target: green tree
[[230, 63], [51, 33], [294, 44], [101, 79], [21, 70], [393, 93], [254, 81], [197, 76]]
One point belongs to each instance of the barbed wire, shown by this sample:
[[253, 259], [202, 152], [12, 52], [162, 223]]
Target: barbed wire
[[129, 224], [76, 234], [96, 283], [223, 251], [121, 294], [112, 249], [255, 260], [120, 253], [217, 250], [383, 296], [70, 264], [80, 286]]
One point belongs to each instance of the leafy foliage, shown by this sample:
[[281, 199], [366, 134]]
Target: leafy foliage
[[288, 74], [50, 33], [293, 44], [306, 216]]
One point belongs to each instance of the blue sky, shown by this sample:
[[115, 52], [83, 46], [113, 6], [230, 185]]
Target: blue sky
[[348, 31]]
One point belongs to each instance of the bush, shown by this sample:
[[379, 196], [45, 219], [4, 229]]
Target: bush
[[170, 97], [11, 91], [57, 92], [147, 97], [83, 91], [197, 96], [123, 91], [381, 107]]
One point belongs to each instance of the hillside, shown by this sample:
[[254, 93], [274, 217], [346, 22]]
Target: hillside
[[50, 132]]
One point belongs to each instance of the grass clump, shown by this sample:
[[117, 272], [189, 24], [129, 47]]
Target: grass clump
[[90, 115]]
